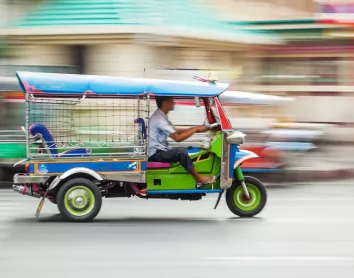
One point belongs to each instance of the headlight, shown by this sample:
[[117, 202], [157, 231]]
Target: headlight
[[236, 137]]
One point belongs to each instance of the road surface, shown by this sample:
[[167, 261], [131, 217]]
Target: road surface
[[304, 231]]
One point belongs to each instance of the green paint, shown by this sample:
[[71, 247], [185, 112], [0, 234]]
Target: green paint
[[202, 166], [12, 150], [216, 146], [242, 202], [169, 181], [79, 200], [300, 31], [280, 22], [239, 174], [176, 177]]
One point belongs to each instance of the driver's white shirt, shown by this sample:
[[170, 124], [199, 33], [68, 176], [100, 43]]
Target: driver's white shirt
[[159, 130]]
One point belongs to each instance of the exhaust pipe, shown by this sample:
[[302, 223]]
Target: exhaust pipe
[[25, 190]]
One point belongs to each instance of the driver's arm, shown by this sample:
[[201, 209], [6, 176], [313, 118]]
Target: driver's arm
[[182, 135], [181, 130]]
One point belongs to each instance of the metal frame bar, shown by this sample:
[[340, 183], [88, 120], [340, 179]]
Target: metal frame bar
[[27, 126]]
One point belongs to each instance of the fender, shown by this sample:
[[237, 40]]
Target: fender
[[243, 155], [73, 171]]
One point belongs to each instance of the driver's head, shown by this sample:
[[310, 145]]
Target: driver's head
[[166, 104]]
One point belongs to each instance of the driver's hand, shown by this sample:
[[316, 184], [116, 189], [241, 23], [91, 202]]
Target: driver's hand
[[217, 128]]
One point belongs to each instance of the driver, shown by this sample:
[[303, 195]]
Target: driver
[[160, 151]]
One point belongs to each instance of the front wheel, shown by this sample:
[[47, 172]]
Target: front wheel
[[79, 200], [238, 202]]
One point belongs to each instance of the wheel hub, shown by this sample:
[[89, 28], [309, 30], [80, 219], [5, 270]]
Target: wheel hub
[[245, 199], [242, 202], [79, 202]]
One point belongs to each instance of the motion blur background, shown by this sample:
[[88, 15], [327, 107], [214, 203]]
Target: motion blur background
[[299, 50], [290, 66]]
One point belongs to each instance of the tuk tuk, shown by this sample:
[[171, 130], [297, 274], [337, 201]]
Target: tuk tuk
[[87, 138]]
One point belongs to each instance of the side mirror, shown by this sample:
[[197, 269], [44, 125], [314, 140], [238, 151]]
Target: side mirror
[[197, 101]]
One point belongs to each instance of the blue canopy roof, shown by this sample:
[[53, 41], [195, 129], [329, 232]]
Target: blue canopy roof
[[74, 84]]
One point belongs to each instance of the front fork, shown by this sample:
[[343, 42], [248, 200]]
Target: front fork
[[240, 177]]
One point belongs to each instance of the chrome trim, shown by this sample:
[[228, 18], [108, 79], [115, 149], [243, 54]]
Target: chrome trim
[[26, 179], [20, 162], [27, 107], [83, 170], [139, 177], [54, 183], [78, 170], [25, 190], [245, 189], [225, 182]]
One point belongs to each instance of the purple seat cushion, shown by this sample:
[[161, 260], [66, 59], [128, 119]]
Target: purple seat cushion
[[152, 165]]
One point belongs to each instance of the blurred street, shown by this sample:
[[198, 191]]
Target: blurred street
[[306, 230]]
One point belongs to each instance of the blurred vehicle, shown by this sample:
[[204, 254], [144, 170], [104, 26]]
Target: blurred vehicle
[[12, 118], [274, 136]]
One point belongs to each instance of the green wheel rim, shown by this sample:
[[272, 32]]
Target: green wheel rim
[[79, 200], [242, 202]]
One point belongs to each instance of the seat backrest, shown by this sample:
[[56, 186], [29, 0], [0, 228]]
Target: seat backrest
[[143, 126], [46, 136]]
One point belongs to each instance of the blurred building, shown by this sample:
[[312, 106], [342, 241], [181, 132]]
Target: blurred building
[[315, 66], [129, 38], [264, 10]]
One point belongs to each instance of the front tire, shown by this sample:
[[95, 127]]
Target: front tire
[[239, 204], [79, 200]]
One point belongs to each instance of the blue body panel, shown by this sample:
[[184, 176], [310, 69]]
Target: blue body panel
[[118, 166], [193, 150], [31, 169], [239, 154], [74, 84], [262, 170], [234, 150], [143, 165]]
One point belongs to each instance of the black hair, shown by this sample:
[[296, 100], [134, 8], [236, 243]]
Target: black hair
[[160, 100]]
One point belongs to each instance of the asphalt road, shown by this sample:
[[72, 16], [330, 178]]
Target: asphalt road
[[304, 231]]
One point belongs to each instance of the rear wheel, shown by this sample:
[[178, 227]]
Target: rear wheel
[[79, 200], [238, 202]]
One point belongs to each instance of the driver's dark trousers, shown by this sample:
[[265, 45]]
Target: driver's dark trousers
[[174, 155]]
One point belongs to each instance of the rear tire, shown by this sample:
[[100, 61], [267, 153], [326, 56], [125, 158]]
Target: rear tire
[[79, 200], [237, 201]]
